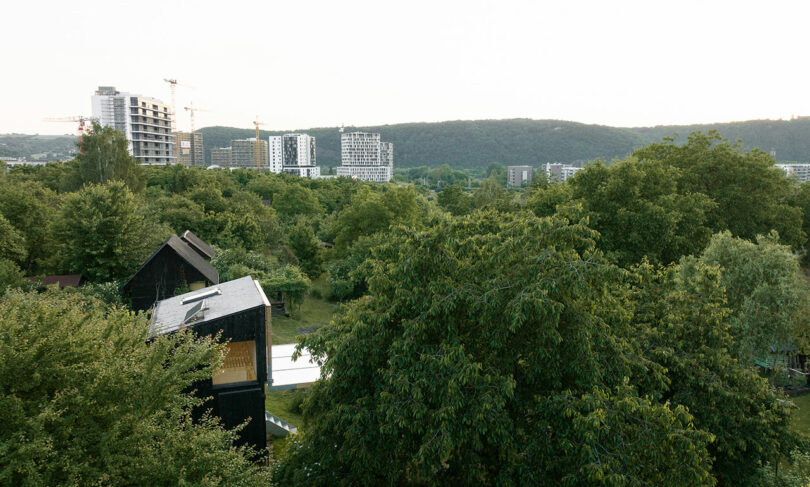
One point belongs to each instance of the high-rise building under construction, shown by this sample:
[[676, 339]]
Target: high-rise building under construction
[[146, 123], [190, 151]]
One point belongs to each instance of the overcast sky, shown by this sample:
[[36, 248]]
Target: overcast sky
[[300, 64]]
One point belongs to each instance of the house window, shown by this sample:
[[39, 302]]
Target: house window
[[240, 364]]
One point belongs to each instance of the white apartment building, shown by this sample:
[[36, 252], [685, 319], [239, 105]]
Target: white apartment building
[[275, 153], [799, 171], [363, 156], [293, 154], [559, 172], [145, 121]]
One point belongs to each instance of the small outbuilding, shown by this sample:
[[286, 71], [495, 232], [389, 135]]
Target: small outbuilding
[[240, 312], [174, 265]]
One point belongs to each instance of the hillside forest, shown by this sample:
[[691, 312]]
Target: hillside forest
[[640, 324]]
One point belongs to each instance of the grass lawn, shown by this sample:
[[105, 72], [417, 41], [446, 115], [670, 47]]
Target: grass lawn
[[801, 416], [315, 312]]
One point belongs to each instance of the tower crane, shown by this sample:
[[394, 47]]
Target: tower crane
[[191, 109], [78, 118], [258, 143], [173, 89]]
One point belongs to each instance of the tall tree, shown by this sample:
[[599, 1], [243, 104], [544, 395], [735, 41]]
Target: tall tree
[[307, 248], [103, 233], [751, 194], [766, 291], [683, 331], [86, 401], [104, 156], [489, 351]]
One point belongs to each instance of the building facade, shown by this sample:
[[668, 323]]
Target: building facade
[[146, 123], [221, 156], [243, 153], [364, 156], [559, 172], [190, 151], [293, 154], [799, 171], [517, 175]]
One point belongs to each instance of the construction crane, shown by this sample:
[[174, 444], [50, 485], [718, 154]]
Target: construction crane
[[173, 89], [78, 118], [258, 144], [191, 109]]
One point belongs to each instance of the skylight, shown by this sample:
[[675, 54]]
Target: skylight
[[205, 294]]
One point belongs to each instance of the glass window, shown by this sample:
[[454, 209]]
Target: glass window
[[240, 364]]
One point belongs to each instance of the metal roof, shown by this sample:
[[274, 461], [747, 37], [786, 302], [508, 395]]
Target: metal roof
[[198, 244], [234, 296], [186, 253], [286, 372]]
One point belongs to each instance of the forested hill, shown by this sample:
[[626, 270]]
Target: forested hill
[[469, 144], [476, 143]]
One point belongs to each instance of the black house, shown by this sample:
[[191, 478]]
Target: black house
[[172, 266], [240, 311]]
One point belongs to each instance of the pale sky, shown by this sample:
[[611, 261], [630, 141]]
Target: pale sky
[[301, 64]]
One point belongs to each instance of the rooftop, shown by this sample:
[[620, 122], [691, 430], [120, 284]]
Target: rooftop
[[205, 305]]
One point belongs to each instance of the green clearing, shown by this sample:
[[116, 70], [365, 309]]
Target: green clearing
[[315, 313], [801, 416]]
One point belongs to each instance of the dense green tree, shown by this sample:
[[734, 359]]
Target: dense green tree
[[295, 200], [86, 401], [498, 172], [751, 194], [637, 210], [103, 232], [30, 208], [371, 212], [104, 156], [307, 249], [681, 324], [492, 194], [489, 351], [453, 199], [766, 291], [12, 244]]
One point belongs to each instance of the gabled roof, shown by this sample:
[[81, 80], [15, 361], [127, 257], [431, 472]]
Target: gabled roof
[[186, 253], [197, 244], [219, 300]]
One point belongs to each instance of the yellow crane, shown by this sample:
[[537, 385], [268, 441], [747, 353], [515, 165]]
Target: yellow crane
[[258, 144]]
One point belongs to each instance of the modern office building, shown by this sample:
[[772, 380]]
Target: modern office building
[[293, 154], [363, 156], [517, 175], [145, 121], [559, 172], [221, 156], [799, 171], [243, 153], [191, 149]]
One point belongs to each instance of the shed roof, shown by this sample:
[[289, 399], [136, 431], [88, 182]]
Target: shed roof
[[65, 280], [195, 241], [222, 299], [185, 252]]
